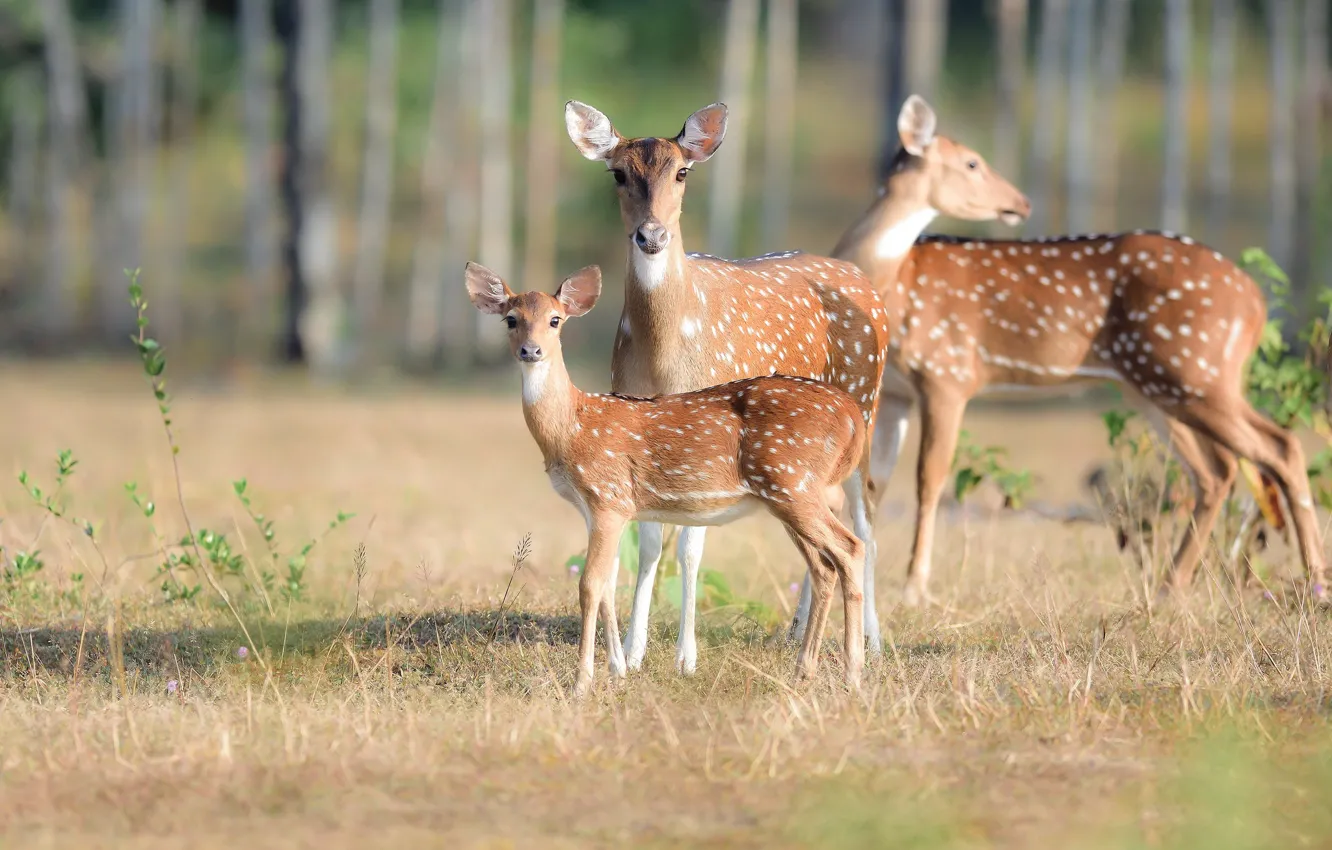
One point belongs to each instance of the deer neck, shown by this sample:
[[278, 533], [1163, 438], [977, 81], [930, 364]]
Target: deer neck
[[880, 242], [550, 406], [658, 296]]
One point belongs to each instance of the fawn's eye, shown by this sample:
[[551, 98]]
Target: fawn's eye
[[681, 175], [554, 321], [511, 322], [973, 164], [619, 176]]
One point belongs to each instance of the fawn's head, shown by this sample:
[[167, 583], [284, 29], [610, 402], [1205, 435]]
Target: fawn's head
[[649, 173], [534, 319], [948, 176]]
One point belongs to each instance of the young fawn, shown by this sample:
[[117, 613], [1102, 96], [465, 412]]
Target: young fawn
[[701, 458]]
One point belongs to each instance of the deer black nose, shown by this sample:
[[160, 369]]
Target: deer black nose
[[652, 237], [529, 352]]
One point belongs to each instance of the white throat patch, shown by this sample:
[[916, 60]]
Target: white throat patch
[[649, 269], [898, 239], [534, 380]]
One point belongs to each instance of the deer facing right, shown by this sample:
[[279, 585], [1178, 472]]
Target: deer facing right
[[698, 459]]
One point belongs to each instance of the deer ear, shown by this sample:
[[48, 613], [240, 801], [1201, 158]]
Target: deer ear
[[488, 292], [915, 124], [579, 291], [591, 131], [703, 132]]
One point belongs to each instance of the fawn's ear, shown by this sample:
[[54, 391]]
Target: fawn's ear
[[488, 293], [703, 132], [579, 291], [591, 131], [915, 124]]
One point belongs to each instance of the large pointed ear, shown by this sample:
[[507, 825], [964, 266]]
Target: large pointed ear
[[488, 293], [579, 291], [915, 124], [591, 131], [703, 132]]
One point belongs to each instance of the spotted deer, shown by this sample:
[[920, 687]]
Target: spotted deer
[[691, 321], [1169, 320], [697, 459]]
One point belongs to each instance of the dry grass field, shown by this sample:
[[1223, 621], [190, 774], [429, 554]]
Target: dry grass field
[[406, 701]]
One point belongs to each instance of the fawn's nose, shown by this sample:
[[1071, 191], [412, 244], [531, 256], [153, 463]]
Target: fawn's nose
[[652, 237], [529, 352]]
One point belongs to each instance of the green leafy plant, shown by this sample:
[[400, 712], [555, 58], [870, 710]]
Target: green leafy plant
[[973, 465]]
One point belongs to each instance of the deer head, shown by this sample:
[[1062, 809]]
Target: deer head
[[649, 173], [948, 176], [534, 319]]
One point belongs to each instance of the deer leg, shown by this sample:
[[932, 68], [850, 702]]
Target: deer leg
[[890, 432], [592, 586], [649, 556], [858, 501], [821, 589], [688, 553], [940, 420], [1239, 428], [846, 553], [1213, 470], [611, 627]]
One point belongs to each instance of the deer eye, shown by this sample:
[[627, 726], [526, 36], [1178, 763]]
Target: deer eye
[[554, 321], [973, 164], [511, 322], [619, 176], [681, 175]]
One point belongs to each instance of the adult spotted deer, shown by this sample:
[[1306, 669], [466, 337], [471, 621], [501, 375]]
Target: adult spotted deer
[[692, 321], [698, 459], [1169, 320]]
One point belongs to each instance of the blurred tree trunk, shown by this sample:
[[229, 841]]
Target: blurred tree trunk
[[1079, 168], [1110, 75], [377, 173], [426, 292], [927, 35], [184, 102], [25, 141], [1281, 130], [543, 145], [67, 124], [496, 202], [1309, 153], [135, 111], [1008, 93], [894, 81], [256, 18], [1045, 129], [779, 113], [458, 321], [1174, 183], [728, 175], [320, 323], [1220, 120]]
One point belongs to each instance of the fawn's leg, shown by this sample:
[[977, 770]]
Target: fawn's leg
[[821, 588], [649, 556], [866, 553], [845, 551], [940, 420], [688, 553], [890, 432], [602, 545]]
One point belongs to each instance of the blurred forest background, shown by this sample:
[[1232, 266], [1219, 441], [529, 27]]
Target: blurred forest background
[[302, 180]]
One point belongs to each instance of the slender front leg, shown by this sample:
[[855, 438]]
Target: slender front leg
[[940, 419], [596, 580], [614, 652], [688, 553], [649, 556]]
